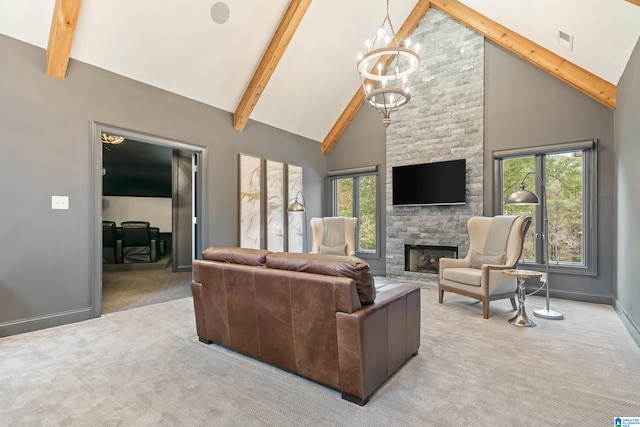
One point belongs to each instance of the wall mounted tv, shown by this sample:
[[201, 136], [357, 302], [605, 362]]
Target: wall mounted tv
[[438, 183]]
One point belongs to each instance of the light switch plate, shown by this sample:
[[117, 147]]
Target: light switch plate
[[59, 202]]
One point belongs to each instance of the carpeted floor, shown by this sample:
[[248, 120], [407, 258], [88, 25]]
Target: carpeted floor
[[123, 290], [146, 367]]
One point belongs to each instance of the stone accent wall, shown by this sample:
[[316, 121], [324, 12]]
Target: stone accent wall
[[443, 121]]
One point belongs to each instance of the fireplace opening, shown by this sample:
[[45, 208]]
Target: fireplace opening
[[426, 259]]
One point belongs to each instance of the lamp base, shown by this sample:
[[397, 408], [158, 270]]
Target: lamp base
[[548, 314]]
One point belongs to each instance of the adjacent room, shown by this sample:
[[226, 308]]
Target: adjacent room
[[389, 212]]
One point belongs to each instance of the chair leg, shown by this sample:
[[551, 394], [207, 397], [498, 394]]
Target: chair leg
[[513, 303], [485, 309], [440, 295]]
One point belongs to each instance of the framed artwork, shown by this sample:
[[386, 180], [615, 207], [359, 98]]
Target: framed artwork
[[276, 206], [296, 220], [250, 182], [266, 188]]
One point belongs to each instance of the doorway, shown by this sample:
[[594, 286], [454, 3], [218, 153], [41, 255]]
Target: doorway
[[188, 184]]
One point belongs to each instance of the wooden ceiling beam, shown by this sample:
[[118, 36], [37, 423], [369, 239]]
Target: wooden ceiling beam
[[63, 27], [357, 101], [283, 35], [636, 2], [581, 79]]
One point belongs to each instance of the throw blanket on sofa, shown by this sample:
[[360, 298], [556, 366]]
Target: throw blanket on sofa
[[333, 231], [498, 234]]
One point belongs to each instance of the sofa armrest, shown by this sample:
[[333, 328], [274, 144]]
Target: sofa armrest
[[376, 340]]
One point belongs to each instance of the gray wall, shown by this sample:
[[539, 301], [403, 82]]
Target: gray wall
[[627, 153], [45, 255], [525, 107]]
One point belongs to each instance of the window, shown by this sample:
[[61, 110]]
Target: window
[[566, 174], [355, 194]]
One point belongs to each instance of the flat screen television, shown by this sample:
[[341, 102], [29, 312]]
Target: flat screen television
[[438, 183]]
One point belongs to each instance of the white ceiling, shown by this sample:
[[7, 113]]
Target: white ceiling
[[176, 45]]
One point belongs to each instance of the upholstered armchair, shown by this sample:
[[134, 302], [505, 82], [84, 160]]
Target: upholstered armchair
[[495, 244], [137, 245], [111, 245], [334, 235]]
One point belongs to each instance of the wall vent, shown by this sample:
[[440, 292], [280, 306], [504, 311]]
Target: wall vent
[[565, 40]]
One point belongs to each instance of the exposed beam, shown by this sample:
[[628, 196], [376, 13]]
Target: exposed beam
[[636, 2], [579, 78], [285, 31], [63, 27], [357, 101]]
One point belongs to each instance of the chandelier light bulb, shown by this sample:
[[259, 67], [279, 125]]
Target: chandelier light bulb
[[380, 31], [379, 69], [368, 87], [359, 57], [387, 40], [407, 43]]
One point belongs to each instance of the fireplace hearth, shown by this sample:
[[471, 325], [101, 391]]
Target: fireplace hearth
[[426, 258]]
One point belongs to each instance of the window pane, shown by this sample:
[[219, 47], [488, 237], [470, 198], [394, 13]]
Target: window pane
[[367, 213], [565, 206], [345, 197], [513, 171]]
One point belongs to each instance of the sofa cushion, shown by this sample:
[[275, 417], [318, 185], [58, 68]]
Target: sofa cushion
[[333, 250], [329, 265], [246, 256], [479, 259]]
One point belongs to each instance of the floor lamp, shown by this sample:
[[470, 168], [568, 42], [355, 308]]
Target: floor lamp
[[299, 206], [526, 197]]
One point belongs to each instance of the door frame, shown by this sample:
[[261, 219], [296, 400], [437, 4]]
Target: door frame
[[200, 186]]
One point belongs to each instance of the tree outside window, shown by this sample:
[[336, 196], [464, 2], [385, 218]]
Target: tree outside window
[[356, 196], [564, 180]]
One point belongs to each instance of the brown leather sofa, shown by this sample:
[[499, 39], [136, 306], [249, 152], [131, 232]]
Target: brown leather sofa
[[314, 315]]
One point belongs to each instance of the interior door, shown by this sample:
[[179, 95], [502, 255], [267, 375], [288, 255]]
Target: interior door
[[183, 210]]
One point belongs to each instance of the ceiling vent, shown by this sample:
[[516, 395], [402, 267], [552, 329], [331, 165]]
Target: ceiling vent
[[565, 40]]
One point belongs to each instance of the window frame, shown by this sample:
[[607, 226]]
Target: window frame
[[589, 150], [355, 174]]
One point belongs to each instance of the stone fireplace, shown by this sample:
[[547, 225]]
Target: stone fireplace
[[425, 258], [444, 121]]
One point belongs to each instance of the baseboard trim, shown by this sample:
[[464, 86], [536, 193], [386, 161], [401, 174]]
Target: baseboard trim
[[573, 296], [31, 324], [633, 329]]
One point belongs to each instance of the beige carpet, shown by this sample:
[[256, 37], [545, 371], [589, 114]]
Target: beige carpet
[[145, 367], [123, 290]]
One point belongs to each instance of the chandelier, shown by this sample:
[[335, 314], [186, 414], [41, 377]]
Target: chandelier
[[385, 83], [112, 139]]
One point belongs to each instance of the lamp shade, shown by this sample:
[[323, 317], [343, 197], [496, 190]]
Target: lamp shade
[[296, 207], [522, 197]]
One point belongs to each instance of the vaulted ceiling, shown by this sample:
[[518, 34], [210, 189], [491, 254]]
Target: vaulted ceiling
[[291, 63]]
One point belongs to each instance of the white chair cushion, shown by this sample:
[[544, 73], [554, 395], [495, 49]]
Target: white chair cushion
[[467, 276]]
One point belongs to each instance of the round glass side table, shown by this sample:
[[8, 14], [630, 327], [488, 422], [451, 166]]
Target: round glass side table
[[521, 318]]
